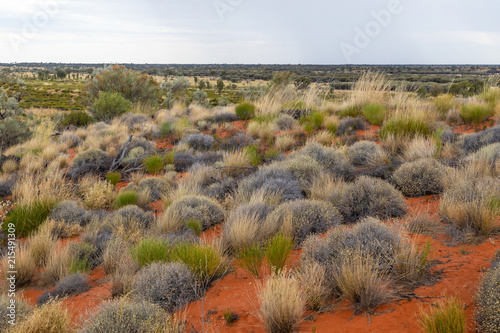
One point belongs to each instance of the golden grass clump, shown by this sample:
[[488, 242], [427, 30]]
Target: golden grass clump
[[41, 246], [24, 265], [58, 265], [97, 194], [235, 163], [446, 317], [285, 142], [281, 303], [51, 317], [264, 131]]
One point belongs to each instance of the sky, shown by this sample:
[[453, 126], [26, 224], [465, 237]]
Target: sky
[[251, 31]]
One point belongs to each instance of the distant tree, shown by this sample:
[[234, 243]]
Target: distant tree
[[61, 73], [195, 79], [220, 85], [43, 74], [302, 82], [209, 86], [422, 91], [282, 79], [436, 90], [200, 97], [202, 85]]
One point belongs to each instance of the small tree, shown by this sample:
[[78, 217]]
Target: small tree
[[220, 85], [303, 82], [61, 73], [110, 105], [202, 85]]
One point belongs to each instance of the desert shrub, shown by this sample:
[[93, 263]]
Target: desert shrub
[[225, 117], [302, 167], [70, 139], [470, 143], [70, 285], [238, 141], [374, 113], [183, 161], [446, 317], [25, 267], [75, 118], [126, 198], [332, 161], [245, 111], [150, 250], [153, 164], [368, 197], [422, 177], [70, 212], [278, 250], [113, 178], [263, 130], [134, 86], [405, 127], [133, 119], [364, 152], [359, 280], [20, 311], [476, 112], [468, 206], [354, 110], [156, 187], [129, 222], [6, 186], [96, 157], [27, 217], [86, 256], [165, 129], [246, 226], [199, 208], [348, 125], [126, 316], [270, 181], [49, 318], [443, 104], [250, 258], [14, 131], [109, 105], [300, 218], [281, 304], [97, 194], [488, 300], [253, 154], [169, 285], [285, 142], [314, 284], [285, 122], [199, 141], [204, 261], [40, 246]]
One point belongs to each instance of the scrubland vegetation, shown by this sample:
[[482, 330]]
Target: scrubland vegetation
[[169, 194]]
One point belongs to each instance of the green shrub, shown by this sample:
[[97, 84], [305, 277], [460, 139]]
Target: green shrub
[[113, 178], [75, 118], [374, 113], [245, 111], [352, 111], [405, 127], [150, 250], [126, 198], [165, 129], [132, 85], [253, 154], [278, 251], [153, 164], [110, 105], [251, 258], [443, 104], [476, 113], [204, 261], [195, 226], [14, 131], [28, 217], [448, 316]]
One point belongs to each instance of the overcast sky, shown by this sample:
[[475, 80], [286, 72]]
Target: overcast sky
[[251, 31]]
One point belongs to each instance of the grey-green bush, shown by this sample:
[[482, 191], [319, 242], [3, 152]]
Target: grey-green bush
[[70, 285], [70, 212], [171, 285], [207, 211], [331, 160], [93, 156], [367, 197], [199, 141], [362, 152], [421, 177], [488, 301]]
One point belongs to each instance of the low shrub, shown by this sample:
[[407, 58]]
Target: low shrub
[[315, 285], [129, 222], [332, 161], [28, 217], [349, 125], [245, 111], [446, 317], [374, 113], [109, 105], [24, 265], [41, 245], [22, 311], [278, 250], [422, 177], [476, 112], [183, 161], [70, 285], [207, 211], [49, 318], [113, 178], [126, 198], [236, 142], [251, 258], [367, 197], [168, 285], [488, 300], [97, 194], [151, 250], [198, 141], [14, 131], [75, 118], [471, 143], [126, 316], [302, 167], [70, 212], [405, 127], [95, 157], [281, 304], [300, 218], [285, 122], [364, 153], [165, 129], [153, 164], [157, 187]]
